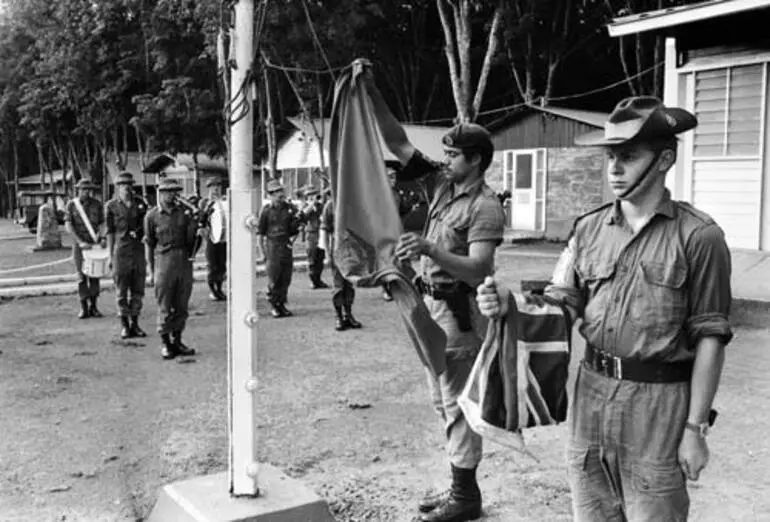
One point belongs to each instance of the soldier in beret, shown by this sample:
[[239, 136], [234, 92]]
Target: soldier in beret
[[170, 232], [88, 287], [124, 216], [277, 228], [216, 253], [312, 219], [464, 227]]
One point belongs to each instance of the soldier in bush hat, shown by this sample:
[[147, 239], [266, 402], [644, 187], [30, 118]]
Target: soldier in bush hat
[[464, 227], [277, 228], [75, 222], [650, 279], [216, 253], [312, 218], [170, 232], [124, 216]]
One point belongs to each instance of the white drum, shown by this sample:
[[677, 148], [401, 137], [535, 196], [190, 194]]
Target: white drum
[[96, 262], [218, 221]]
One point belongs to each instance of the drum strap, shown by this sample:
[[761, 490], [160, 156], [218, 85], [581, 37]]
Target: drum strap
[[86, 221]]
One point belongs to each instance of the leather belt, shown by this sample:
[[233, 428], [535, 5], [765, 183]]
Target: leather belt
[[637, 371]]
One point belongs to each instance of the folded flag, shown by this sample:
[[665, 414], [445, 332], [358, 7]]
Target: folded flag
[[519, 379]]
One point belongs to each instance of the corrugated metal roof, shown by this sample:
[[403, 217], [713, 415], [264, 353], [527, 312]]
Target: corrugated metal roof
[[680, 15]]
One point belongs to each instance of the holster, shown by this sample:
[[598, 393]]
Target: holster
[[456, 295]]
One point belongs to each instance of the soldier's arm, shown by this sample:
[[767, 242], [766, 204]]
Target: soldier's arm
[[564, 287], [68, 217], [109, 223], [262, 230], [150, 241]]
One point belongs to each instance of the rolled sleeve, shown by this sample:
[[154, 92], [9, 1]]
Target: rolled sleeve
[[487, 222], [710, 292], [418, 166], [564, 286]]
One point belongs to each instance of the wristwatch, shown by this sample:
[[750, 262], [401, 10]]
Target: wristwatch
[[701, 429]]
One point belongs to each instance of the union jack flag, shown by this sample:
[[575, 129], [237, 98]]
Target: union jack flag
[[519, 379]]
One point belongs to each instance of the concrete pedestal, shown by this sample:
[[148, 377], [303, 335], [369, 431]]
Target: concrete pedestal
[[206, 499]]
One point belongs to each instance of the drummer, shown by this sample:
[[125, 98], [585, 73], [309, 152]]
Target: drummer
[[125, 229], [216, 252], [82, 239]]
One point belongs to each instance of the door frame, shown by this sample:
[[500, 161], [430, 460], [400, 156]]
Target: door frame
[[509, 182]]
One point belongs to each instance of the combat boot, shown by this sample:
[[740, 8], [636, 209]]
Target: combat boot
[[220, 294], [285, 311], [352, 322], [93, 310], [213, 295], [135, 330], [180, 347], [125, 332], [341, 322], [85, 312], [464, 501], [167, 349], [433, 500]]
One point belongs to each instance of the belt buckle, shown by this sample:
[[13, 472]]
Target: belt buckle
[[610, 365]]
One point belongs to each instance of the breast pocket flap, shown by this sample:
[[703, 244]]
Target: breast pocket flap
[[662, 274]]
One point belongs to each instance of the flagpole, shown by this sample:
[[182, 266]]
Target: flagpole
[[241, 260]]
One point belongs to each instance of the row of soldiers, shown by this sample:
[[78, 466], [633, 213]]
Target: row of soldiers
[[144, 243]]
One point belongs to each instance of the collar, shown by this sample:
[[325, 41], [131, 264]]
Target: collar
[[167, 210], [666, 207]]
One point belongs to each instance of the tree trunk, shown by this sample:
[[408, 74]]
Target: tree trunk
[[270, 127], [492, 43], [450, 50], [15, 147]]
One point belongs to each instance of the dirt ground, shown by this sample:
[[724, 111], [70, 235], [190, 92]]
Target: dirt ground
[[92, 427]]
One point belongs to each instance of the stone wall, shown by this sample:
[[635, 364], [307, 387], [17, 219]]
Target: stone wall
[[575, 186]]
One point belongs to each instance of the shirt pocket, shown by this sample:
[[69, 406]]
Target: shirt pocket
[[455, 233], [660, 297], [596, 276]]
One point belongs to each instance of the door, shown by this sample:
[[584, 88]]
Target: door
[[525, 178]]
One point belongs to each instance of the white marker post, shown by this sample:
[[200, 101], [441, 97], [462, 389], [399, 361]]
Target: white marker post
[[241, 267], [236, 496]]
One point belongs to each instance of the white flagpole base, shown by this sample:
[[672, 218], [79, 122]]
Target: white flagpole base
[[205, 499]]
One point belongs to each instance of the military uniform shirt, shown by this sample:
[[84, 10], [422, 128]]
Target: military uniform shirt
[[95, 213], [278, 221], [127, 223], [169, 229], [312, 213], [455, 220], [650, 295]]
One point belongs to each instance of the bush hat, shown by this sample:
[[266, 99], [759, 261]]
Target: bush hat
[[124, 178], [639, 119], [169, 185], [273, 185], [85, 183]]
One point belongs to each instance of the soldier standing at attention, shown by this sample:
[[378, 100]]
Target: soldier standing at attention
[[124, 216], [170, 233], [650, 279], [88, 287], [216, 253], [277, 228], [315, 253], [343, 293]]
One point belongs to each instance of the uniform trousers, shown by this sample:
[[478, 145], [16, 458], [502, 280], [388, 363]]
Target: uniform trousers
[[216, 259], [343, 292], [622, 454], [315, 256], [464, 446], [129, 272], [279, 265], [88, 287], [173, 287]]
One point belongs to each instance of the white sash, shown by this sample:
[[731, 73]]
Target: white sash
[[86, 221]]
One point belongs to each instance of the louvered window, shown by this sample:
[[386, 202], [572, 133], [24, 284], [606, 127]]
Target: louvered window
[[728, 104]]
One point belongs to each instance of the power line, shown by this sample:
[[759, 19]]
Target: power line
[[559, 98]]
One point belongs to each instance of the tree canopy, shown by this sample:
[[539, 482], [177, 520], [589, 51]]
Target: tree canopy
[[84, 82]]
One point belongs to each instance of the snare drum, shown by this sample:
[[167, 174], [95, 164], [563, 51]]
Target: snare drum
[[218, 222], [96, 262]]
